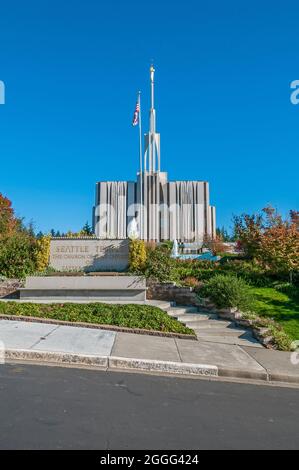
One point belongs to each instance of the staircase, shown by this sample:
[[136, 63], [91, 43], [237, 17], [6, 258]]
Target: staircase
[[207, 325]]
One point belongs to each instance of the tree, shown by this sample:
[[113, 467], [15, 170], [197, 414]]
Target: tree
[[270, 239], [215, 245], [279, 247], [223, 235], [8, 221], [294, 216], [247, 229], [39, 234], [18, 243], [86, 230]]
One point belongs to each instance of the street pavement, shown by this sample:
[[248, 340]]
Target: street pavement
[[68, 408], [110, 349]]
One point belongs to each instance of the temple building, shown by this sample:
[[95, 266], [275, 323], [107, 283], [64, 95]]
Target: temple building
[[161, 209]]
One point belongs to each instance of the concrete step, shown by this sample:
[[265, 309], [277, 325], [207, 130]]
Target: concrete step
[[219, 332], [207, 323], [242, 341], [182, 310], [206, 310], [209, 328], [195, 317], [163, 304]]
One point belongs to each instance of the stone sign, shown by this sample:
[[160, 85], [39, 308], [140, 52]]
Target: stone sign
[[89, 254]]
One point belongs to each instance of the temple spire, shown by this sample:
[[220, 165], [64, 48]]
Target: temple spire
[[152, 72], [152, 139], [152, 110]]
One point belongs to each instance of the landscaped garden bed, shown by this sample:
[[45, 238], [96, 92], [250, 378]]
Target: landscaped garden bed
[[136, 317], [281, 307], [258, 287], [272, 315]]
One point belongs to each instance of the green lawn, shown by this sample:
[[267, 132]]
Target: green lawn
[[282, 308], [145, 317]]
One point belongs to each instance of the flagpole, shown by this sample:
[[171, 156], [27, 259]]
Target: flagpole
[[140, 164]]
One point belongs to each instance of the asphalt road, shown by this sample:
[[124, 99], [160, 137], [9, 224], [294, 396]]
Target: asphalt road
[[60, 408]]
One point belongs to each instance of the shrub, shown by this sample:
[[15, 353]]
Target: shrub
[[280, 339], [137, 255], [17, 255], [130, 315], [42, 254], [250, 271], [167, 244], [159, 265], [227, 291], [191, 282], [200, 270]]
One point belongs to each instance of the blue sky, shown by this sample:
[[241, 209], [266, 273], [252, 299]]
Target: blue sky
[[223, 73]]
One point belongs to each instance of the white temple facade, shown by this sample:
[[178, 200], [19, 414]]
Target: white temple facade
[[163, 210]]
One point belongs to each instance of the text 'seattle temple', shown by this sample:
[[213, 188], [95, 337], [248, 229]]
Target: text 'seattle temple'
[[163, 210]]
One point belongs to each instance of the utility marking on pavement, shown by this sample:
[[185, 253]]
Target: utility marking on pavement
[[44, 337]]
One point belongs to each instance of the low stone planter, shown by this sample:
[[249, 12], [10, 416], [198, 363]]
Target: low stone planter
[[229, 310], [9, 288], [101, 288], [207, 303], [227, 313], [261, 334], [246, 323], [172, 293]]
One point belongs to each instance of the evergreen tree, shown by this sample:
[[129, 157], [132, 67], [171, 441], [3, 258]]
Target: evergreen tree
[[86, 229]]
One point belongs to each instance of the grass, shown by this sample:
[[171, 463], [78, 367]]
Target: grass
[[145, 317], [270, 303]]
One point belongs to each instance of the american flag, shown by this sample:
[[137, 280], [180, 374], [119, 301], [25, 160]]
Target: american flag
[[135, 121]]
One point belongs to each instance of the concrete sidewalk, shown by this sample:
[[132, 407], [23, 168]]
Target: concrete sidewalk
[[61, 344]]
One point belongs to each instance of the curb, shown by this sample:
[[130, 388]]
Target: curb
[[243, 374], [111, 362], [167, 367], [146, 365], [56, 357], [283, 378]]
